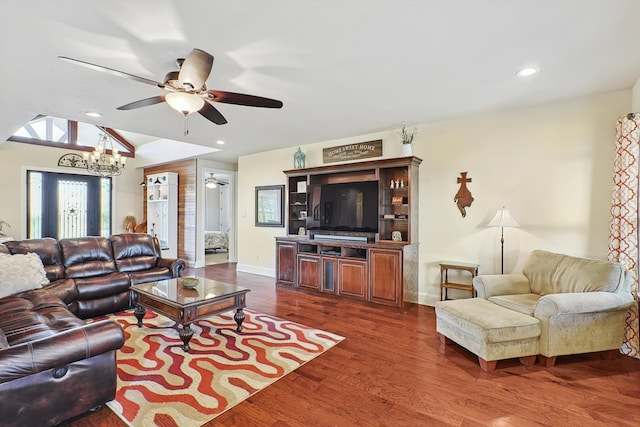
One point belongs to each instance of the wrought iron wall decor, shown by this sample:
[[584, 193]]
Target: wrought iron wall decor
[[72, 160]]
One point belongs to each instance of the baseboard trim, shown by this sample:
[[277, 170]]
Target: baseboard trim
[[261, 271]]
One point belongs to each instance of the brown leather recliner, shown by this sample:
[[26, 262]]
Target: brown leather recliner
[[139, 256], [47, 249], [101, 287], [53, 366]]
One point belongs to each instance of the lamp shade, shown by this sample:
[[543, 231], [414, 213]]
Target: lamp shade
[[503, 219], [186, 103]]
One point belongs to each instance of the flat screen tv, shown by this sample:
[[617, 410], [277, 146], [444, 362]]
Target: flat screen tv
[[351, 207]]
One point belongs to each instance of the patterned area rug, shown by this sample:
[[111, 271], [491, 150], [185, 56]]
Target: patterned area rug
[[161, 385]]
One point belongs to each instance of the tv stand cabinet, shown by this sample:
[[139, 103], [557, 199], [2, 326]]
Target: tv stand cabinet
[[382, 273], [381, 268]]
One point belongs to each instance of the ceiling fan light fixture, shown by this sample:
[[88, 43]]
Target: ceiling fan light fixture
[[210, 182], [183, 102]]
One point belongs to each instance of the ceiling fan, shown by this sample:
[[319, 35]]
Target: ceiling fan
[[186, 89], [212, 182]]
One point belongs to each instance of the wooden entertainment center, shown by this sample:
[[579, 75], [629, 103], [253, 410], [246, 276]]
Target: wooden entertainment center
[[379, 267]]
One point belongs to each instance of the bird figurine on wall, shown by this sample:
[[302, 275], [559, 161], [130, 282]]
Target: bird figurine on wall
[[463, 197]]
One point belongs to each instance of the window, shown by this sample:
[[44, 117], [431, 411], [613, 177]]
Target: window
[[45, 128], [270, 206], [69, 134], [67, 205]]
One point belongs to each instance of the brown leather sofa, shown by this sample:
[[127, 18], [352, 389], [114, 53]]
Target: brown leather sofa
[[54, 365]]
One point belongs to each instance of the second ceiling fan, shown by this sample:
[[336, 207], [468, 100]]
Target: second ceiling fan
[[186, 88], [212, 182]]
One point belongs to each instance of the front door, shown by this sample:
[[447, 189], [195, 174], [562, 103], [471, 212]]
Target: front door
[[66, 205]]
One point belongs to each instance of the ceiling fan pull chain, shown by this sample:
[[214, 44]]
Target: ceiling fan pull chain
[[186, 124]]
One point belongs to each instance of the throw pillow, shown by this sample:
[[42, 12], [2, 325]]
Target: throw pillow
[[3, 340], [19, 273]]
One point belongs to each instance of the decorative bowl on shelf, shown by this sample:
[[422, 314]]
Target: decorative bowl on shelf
[[188, 282]]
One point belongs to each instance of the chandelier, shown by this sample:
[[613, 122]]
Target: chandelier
[[100, 162]]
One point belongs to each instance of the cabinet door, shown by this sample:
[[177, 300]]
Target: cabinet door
[[352, 277], [309, 271], [285, 264], [329, 274], [385, 272]]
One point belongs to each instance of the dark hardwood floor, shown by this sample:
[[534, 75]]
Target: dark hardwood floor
[[390, 371]]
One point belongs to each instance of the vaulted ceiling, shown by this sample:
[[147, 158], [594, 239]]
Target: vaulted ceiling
[[341, 67]]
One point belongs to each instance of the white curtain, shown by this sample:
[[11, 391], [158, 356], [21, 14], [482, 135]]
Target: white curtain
[[623, 237]]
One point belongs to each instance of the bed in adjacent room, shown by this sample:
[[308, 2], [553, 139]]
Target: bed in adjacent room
[[214, 240]]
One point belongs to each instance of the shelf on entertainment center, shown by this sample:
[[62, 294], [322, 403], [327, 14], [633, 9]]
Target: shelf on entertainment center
[[403, 170]]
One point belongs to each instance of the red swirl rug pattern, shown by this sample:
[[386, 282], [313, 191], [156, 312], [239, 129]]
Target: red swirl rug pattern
[[161, 385]]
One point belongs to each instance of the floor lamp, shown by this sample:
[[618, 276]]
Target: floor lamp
[[503, 219]]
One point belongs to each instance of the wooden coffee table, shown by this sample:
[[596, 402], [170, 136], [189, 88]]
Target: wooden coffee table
[[185, 306]]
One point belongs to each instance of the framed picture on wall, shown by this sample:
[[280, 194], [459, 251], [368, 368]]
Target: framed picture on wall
[[270, 206]]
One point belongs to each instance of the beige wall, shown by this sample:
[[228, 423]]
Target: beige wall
[[635, 97], [17, 158], [550, 165]]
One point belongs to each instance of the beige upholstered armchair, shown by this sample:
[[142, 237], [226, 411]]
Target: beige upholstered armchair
[[581, 303]]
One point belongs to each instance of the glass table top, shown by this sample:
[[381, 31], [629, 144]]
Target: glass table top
[[171, 290]]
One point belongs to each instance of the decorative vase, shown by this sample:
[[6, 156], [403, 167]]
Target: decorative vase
[[299, 159], [406, 150]]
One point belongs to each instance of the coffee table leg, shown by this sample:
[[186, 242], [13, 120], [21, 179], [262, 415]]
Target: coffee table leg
[[139, 313], [239, 318], [185, 335]]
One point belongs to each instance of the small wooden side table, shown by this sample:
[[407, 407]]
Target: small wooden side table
[[459, 266]]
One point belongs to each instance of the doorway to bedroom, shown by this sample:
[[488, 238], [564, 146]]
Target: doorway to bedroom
[[217, 220]]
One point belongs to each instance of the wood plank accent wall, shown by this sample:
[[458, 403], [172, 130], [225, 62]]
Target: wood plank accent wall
[[187, 181]]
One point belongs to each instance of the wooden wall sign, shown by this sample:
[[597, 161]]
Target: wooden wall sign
[[361, 150]]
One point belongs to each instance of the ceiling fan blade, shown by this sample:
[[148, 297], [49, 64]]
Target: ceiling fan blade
[[111, 71], [195, 69], [143, 103], [242, 99], [212, 114]]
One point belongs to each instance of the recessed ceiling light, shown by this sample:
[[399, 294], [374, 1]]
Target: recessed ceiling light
[[93, 114], [525, 72], [220, 142]]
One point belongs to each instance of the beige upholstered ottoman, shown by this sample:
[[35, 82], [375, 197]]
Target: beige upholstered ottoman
[[491, 332]]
